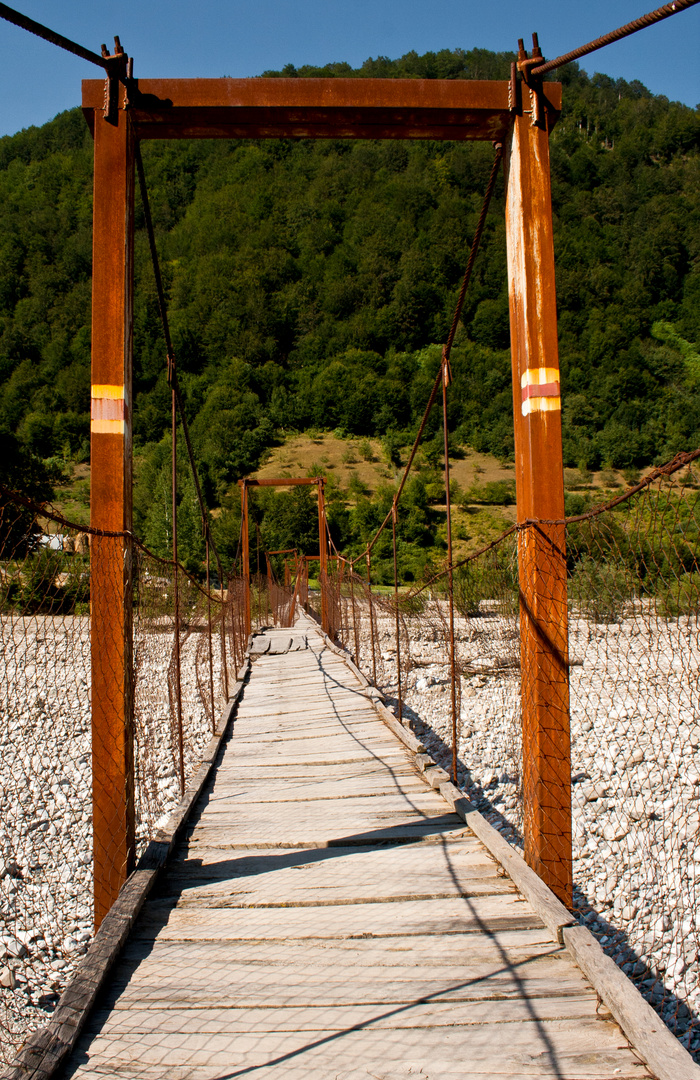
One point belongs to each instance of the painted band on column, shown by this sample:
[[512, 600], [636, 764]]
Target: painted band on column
[[540, 390], [109, 413]]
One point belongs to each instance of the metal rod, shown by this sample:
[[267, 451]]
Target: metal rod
[[396, 611], [615, 35], [354, 613], [450, 579], [176, 599], [371, 620], [247, 613], [55, 38], [323, 554], [112, 550], [224, 658], [211, 653]]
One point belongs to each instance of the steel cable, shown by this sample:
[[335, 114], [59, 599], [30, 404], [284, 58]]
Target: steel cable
[[447, 348], [615, 35]]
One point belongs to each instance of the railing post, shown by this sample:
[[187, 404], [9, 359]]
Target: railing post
[[540, 494], [323, 553], [245, 551], [111, 505]]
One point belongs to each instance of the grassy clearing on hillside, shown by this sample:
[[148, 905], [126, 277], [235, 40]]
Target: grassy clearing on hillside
[[357, 465]]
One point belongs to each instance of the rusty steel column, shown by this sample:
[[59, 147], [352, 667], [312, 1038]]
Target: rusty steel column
[[323, 552], [540, 494], [110, 509], [245, 552]]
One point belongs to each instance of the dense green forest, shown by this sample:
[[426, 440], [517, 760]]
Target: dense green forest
[[310, 284]]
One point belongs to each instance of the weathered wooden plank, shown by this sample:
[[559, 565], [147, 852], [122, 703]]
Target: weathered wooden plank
[[181, 1019], [343, 920], [259, 789], [361, 869], [398, 834], [561, 1049], [353, 810], [282, 989], [417, 950]]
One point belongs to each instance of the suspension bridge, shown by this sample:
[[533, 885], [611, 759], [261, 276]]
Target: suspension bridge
[[326, 899]]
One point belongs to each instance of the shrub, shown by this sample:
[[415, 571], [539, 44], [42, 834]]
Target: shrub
[[600, 590], [494, 493], [682, 597], [489, 578]]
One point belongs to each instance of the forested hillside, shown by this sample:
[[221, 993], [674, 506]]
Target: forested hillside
[[308, 282]]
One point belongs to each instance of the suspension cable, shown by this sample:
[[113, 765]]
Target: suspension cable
[[170, 352], [447, 348], [615, 35], [33, 27]]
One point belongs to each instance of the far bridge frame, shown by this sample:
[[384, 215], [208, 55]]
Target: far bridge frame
[[520, 116]]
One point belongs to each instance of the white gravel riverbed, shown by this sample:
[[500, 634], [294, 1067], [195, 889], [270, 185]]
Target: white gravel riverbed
[[46, 915]]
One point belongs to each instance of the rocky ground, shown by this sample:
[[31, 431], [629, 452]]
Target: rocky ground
[[635, 715], [46, 792]]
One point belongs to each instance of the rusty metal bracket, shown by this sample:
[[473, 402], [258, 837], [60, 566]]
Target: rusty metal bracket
[[119, 68], [540, 109], [525, 65]]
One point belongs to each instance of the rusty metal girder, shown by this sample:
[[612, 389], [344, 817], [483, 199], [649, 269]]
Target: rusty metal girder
[[317, 108]]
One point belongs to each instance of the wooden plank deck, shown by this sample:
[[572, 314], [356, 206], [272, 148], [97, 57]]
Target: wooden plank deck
[[328, 917]]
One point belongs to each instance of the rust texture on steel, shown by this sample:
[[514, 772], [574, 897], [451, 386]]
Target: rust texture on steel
[[316, 108], [450, 571], [245, 557], [110, 502], [538, 70], [540, 494], [55, 38], [323, 560]]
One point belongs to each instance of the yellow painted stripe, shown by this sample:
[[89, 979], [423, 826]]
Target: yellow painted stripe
[[107, 390], [533, 376], [540, 404], [108, 427]]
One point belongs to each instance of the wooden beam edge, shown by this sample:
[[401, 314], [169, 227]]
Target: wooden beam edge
[[643, 1027], [650, 1038], [46, 1050]]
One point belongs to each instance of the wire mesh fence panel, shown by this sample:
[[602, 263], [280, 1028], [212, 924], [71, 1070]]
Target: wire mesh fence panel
[[45, 767], [234, 622], [163, 753], [50, 575], [634, 591]]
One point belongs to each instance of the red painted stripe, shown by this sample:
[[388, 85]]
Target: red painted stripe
[[547, 389], [109, 409]]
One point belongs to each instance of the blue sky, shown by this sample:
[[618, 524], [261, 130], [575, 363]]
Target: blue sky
[[210, 38]]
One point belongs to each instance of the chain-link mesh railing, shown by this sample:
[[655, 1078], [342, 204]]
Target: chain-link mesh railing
[[46, 760]]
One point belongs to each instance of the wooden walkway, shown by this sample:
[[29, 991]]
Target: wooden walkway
[[329, 918]]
